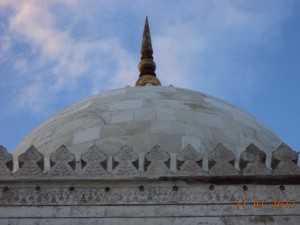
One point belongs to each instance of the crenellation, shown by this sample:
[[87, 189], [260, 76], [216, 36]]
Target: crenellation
[[31, 163], [189, 162], [94, 162], [62, 162], [125, 162], [221, 162], [157, 162], [252, 161], [128, 164], [284, 161], [6, 162]]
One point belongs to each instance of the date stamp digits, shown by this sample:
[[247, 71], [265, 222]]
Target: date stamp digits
[[274, 204]]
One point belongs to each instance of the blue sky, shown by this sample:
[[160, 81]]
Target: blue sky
[[54, 53]]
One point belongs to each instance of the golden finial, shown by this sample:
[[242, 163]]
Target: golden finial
[[147, 65]]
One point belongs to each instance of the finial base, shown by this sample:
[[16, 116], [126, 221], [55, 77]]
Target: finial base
[[147, 79]]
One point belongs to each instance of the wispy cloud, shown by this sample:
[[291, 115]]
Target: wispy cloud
[[213, 56], [66, 58], [195, 45]]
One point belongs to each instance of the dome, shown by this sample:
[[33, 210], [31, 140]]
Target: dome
[[142, 117], [147, 115]]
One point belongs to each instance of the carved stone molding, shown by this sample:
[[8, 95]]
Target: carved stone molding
[[125, 162], [62, 162], [284, 161], [157, 162], [31, 162], [6, 162], [252, 161], [94, 162], [189, 162], [221, 162], [152, 194]]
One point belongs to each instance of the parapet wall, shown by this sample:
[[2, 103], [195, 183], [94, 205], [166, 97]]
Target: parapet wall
[[149, 192], [155, 163]]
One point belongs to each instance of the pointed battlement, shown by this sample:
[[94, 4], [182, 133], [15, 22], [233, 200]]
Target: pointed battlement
[[156, 164]]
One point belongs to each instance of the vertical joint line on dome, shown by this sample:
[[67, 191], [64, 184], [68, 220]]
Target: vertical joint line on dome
[[147, 65]]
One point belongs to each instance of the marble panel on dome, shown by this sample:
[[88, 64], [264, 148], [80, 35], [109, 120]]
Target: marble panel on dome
[[127, 104], [86, 135], [247, 131], [195, 130], [144, 114], [164, 103], [45, 138], [168, 127], [165, 114], [210, 120], [231, 125], [196, 106], [167, 96], [112, 130], [143, 95], [94, 122], [186, 116], [207, 132], [148, 103], [152, 89], [136, 127], [121, 116], [225, 136], [69, 128], [100, 106]]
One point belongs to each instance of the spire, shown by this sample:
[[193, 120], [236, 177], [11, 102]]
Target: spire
[[147, 65]]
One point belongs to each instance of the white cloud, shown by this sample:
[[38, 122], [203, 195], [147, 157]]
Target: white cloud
[[33, 98], [186, 35], [176, 50], [70, 59], [5, 45]]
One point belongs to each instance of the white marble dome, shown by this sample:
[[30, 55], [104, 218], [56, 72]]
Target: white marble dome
[[142, 117]]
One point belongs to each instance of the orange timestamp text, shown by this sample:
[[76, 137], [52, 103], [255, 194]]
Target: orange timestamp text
[[261, 203]]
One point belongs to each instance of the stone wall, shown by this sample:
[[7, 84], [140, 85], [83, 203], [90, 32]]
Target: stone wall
[[145, 190], [145, 202]]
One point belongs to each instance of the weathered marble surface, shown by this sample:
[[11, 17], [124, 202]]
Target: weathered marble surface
[[137, 188], [142, 117], [45, 202], [45, 193], [179, 220]]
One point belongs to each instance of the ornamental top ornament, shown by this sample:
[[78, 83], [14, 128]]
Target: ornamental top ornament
[[147, 65]]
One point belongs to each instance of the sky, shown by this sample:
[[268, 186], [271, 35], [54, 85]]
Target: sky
[[54, 53]]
